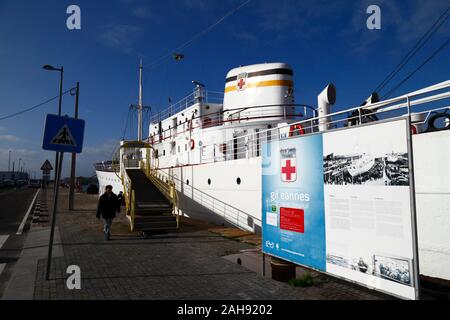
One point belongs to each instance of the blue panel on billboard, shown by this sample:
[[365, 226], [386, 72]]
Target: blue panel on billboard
[[63, 134], [293, 217]]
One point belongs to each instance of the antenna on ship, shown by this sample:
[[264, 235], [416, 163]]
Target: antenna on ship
[[140, 104]]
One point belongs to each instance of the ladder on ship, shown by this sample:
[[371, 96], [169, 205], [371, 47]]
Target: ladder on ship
[[151, 202]]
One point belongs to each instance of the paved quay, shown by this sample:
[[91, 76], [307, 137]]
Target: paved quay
[[184, 264]]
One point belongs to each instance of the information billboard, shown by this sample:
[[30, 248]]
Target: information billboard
[[341, 202]]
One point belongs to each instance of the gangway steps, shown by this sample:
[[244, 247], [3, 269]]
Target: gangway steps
[[153, 211]]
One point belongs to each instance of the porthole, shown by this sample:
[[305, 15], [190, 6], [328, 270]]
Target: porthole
[[209, 181], [238, 181], [187, 181]]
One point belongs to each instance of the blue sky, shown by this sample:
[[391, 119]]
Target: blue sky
[[324, 41]]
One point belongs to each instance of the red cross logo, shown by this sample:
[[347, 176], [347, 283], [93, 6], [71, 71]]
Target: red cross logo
[[241, 84], [288, 170]]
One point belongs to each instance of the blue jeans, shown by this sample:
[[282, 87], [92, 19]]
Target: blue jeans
[[107, 227]]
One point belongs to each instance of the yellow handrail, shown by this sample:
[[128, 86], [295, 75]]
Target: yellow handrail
[[167, 188], [132, 210]]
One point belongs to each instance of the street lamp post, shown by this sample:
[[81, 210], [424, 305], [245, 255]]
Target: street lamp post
[[74, 155], [61, 70]]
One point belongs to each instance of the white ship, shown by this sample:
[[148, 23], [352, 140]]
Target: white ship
[[361, 166], [209, 144]]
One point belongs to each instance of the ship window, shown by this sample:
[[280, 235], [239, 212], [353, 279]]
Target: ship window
[[179, 149], [164, 152], [238, 181], [187, 181], [185, 147], [209, 181]]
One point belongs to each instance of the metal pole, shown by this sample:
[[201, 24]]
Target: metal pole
[[55, 205], [416, 274], [9, 161], [74, 157], [140, 104], [59, 110], [263, 264]]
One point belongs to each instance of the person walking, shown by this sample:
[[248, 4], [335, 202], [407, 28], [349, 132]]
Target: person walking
[[108, 206]]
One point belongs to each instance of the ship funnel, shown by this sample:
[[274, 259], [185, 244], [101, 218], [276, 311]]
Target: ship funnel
[[324, 102]]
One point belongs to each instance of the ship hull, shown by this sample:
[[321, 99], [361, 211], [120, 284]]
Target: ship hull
[[108, 178]]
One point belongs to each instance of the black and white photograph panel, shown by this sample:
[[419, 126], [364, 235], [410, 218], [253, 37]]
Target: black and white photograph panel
[[369, 155]]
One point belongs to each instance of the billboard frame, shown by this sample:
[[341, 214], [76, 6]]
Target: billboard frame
[[415, 249]]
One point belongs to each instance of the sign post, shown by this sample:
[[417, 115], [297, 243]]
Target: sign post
[[62, 134], [46, 168]]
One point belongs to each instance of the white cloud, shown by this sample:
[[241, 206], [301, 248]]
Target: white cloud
[[245, 36], [145, 12], [407, 23], [101, 151], [18, 153], [201, 5], [120, 36], [9, 138]]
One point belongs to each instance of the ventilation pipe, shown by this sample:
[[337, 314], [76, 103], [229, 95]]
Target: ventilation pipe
[[418, 122], [324, 102]]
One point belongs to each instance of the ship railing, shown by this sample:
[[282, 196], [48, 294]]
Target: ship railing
[[193, 98], [128, 194], [288, 112], [107, 166], [229, 213], [428, 102]]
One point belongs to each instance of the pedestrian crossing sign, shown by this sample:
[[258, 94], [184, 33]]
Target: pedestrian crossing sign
[[63, 134]]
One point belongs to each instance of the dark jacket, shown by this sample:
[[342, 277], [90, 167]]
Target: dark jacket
[[108, 206]]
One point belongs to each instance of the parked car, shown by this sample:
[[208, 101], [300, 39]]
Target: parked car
[[34, 184]]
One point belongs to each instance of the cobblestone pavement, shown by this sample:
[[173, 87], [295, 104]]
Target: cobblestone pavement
[[185, 264]]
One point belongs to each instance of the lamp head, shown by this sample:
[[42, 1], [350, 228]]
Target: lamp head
[[50, 68]]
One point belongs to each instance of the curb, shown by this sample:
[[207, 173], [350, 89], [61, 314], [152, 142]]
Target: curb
[[22, 282]]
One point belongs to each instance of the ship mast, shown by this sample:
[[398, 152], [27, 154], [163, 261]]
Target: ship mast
[[140, 104]]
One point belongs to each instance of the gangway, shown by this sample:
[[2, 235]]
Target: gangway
[[151, 203]]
